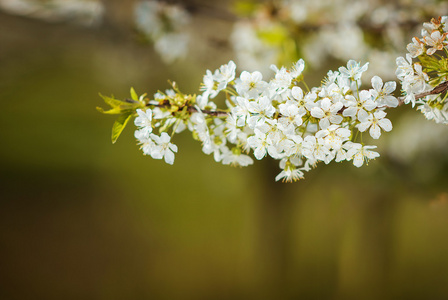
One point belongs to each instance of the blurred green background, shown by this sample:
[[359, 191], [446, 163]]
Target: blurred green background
[[81, 218]]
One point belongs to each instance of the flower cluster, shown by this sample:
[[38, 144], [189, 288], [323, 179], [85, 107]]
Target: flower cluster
[[369, 30], [424, 81], [285, 119], [281, 118]]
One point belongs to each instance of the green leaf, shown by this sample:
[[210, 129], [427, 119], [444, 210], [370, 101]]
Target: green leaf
[[113, 111], [134, 95], [119, 106], [119, 125], [112, 102], [432, 63]]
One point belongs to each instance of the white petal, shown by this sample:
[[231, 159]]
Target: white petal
[[317, 112], [259, 152], [298, 120], [343, 132], [340, 155], [358, 160], [369, 105], [371, 154], [245, 76], [173, 147], [156, 152], [155, 138], [297, 93], [363, 116], [280, 175], [164, 138], [325, 104], [350, 112], [379, 114], [321, 133], [365, 95], [390, 101], [336, 119], [386, 124], [375, 131], [169, 157], [389, 87], [363, 126], [336, 107], [324, 123], [256, 76], [377, 83], [431, 51]]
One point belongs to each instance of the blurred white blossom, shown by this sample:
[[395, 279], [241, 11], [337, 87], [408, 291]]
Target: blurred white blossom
[[83, 12], [165, 25]]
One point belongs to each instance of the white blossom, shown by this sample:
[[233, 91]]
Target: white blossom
[[436, 41], [416, 48], [163, 148], [327, 113], [235, 158], [262, 144], [382, 94], [434, 112], [355, 106], [225, 74], [405, 68], [144, 121], [282, 80], [261, 108], [250, 84], [241, 111], [146, 143], [164, 24], [305, 104], [290, 118], [210, 86], [354, 70], [297, 68], [360, 153], [314, 149], [375, 121], [334, 136], [289, 174]]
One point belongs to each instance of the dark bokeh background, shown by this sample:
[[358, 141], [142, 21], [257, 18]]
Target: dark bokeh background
[[83, 219]]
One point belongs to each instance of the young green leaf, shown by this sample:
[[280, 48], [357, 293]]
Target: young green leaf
[[112, 102], [119, 125], [113, 111], [134, 95]]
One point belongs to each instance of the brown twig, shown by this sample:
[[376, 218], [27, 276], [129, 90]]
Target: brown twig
[[216, 113], [441, 88]]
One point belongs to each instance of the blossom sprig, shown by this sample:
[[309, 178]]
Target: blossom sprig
[[425, 80], [282, 118]]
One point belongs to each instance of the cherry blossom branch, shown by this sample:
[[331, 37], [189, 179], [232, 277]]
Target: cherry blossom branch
[[215, 113], [277, 118], [441, 88]]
